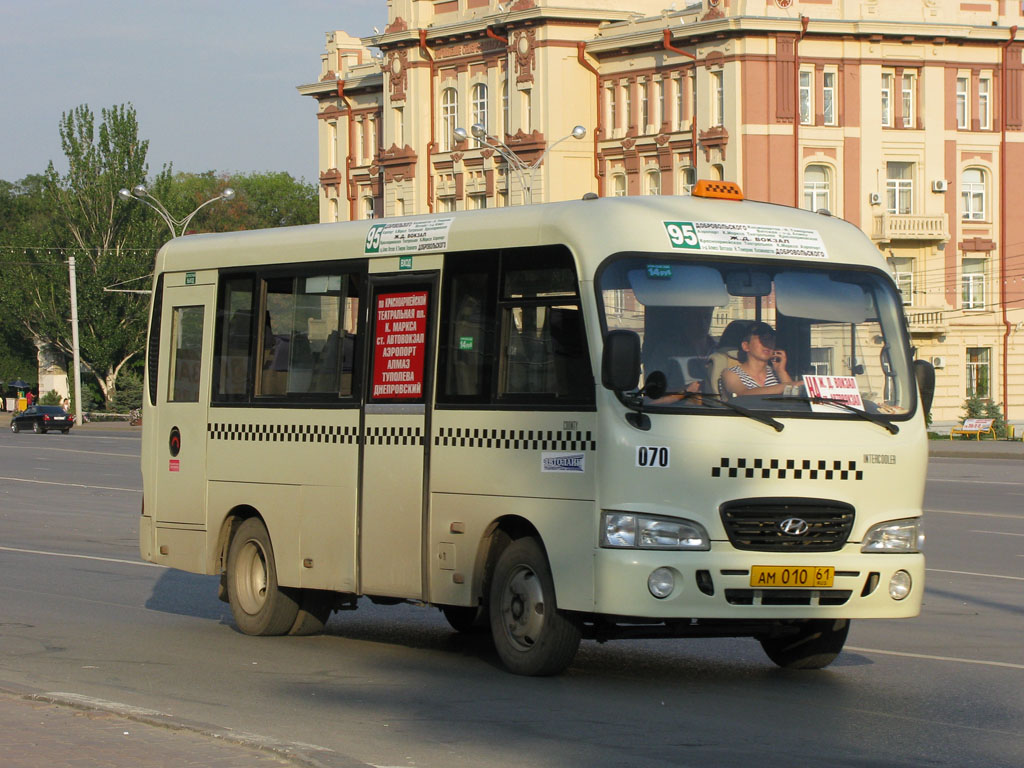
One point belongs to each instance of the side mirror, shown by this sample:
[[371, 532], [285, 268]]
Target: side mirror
[[620, 361], [924, 372]]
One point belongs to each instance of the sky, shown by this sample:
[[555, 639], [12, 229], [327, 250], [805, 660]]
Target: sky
[[213, 83]]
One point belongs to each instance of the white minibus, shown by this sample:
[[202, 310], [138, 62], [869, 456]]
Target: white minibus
[[612, 418]]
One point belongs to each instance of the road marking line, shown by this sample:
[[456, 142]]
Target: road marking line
[[938, 658], [971, 573], [974, 514], [81, 557], [72, 485], [1000, 533], [75, 450]]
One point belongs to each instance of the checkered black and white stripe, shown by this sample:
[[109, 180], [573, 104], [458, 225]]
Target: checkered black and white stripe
[[394, 436], [515, 439], [284, 433], [782, 469]]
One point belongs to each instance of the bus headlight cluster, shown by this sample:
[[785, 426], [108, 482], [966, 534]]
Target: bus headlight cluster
[[895, 536], [624, 530]]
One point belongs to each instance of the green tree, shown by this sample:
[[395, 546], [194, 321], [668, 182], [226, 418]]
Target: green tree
[[109, 240]]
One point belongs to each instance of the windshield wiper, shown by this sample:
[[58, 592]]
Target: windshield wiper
[[873, 418], [778, 426]]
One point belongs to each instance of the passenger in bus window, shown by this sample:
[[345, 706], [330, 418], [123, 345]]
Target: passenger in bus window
[[762, 367], [678, 344]]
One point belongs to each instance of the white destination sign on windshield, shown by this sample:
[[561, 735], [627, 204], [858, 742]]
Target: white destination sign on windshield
[[408, 236], [761, 239]]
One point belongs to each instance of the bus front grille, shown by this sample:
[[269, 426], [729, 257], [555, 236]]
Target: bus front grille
[[787, 596], [787, 525]]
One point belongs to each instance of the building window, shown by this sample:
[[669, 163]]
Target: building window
[[618, 185], [985, 103], [806, 106], [908, 91], [662, 114], [653, 182], [399, 126], [718, 172], [627, 104], [332, 209], [963, 113], [903, 272], [479, 104], [887, 99], [449, 118], [446, 204], [899, 188], [399, 207], [972, 193], [687, 178], [680, 83], [645, 105], [979, 372], [477, 201], [613, 113], [828, 98], [332, 144], [527, 110], [817, 186], [718, 98], [973, 284], [821, 361], [506, 124], [368, 207]]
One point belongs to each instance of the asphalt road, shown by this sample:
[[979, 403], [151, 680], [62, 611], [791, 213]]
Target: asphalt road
[[393, 686]]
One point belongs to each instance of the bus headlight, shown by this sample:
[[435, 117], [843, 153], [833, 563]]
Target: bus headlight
[[630, 531], [895, 536]]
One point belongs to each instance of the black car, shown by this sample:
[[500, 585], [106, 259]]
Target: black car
[[43, 418]]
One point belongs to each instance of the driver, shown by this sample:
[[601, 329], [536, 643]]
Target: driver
[[762, 368]]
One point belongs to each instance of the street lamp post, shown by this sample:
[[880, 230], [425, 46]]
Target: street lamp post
[[177, 226], [523, 170]]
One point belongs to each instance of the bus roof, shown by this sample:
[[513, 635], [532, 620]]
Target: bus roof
[[593, 229]]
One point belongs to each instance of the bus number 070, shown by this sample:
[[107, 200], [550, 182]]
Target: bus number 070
[[652, 456]]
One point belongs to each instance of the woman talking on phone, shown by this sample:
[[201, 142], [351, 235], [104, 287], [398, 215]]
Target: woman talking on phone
[[762, 368]]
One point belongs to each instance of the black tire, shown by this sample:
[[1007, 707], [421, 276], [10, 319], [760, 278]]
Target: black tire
[[315, 608], [531, 636], [259, 605], [467, 620], [815, 644]]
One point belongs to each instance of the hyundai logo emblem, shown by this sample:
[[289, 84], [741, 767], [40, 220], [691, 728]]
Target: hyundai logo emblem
[[794, 526]]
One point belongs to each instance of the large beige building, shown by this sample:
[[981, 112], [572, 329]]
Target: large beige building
[[905, 117]]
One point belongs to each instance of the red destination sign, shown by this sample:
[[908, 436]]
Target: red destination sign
[[400, 345]]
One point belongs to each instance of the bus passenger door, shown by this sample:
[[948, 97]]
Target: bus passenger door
[[183, 393], [395, 429]]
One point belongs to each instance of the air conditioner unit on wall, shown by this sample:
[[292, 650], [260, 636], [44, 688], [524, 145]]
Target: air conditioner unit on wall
[[938, 361], [875, 199], [940, 185]]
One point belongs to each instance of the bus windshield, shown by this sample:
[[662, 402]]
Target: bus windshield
[[767, 335]]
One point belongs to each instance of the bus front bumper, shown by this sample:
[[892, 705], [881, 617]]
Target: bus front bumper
[[722, 584]]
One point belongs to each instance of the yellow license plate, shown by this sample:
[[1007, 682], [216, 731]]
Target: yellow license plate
[[791, 576]]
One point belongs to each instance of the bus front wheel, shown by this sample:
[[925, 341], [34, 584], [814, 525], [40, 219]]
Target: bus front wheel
[[259, 605], [815, 644], [531, 636]]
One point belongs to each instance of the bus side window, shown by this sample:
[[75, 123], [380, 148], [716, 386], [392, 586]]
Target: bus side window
[[186, 353], [234, 338], [543, 356]]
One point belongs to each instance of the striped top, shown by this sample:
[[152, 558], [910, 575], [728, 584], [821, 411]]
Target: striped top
[[748, 381]]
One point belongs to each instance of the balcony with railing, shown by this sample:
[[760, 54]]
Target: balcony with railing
[[895, 226], [926, 322]]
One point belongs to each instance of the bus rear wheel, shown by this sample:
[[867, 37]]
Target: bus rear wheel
[[531, 636], [815, 644], [259, 605]]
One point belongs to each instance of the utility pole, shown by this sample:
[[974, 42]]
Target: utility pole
[[74, 341]]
